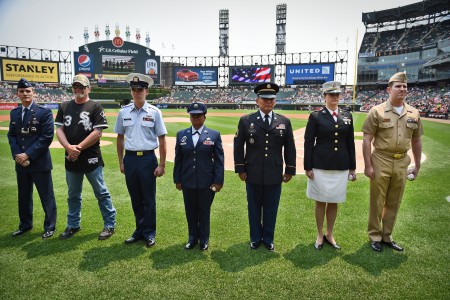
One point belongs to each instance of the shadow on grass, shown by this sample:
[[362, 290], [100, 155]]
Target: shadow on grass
[[239, 257], [307, 257], [97, 258], [9, 241], [375, 262], [175, 255], [54, 245]]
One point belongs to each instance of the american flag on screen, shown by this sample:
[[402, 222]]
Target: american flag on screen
[[253, 75]]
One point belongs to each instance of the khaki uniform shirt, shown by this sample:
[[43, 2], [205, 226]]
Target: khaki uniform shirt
[[393, 132]]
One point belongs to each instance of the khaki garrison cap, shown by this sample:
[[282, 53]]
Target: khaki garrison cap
[[399, 77]]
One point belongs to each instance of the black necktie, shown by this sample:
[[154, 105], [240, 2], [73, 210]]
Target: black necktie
[[196, 132], [266, 120]]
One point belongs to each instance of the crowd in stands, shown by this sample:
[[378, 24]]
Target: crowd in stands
[[42, 94], [408, 37], [428, 99], [425, 99], [232, 95]]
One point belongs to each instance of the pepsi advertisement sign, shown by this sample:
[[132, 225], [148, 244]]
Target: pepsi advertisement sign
[[307, 73], [84, 64]]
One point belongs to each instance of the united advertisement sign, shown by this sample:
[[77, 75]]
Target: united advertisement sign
[[309, 73]]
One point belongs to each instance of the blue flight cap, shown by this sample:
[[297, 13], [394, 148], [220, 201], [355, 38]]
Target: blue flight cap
[[23, 84]]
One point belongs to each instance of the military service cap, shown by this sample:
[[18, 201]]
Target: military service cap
[[197, 108], [267, 90], [139, 80], [331, 87]]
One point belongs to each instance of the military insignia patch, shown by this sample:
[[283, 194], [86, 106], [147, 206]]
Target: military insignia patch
[[251, 141]]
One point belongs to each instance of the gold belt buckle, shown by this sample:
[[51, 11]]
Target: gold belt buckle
[[398, 155], [140, 153]]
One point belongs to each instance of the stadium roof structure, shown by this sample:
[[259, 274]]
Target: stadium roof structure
[[411, 11]]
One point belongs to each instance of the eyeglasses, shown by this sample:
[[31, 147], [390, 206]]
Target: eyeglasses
[[137, 90], [78, 87]]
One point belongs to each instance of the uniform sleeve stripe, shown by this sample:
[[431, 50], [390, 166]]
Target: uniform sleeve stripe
[[101, 125]]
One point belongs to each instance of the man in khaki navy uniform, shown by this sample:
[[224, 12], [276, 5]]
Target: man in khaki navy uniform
[[394, 127], [265, 135]]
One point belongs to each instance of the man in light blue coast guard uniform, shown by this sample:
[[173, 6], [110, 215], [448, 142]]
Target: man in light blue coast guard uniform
[[140, 130]]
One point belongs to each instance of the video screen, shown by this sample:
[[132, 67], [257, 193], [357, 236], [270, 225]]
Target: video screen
[[251, 75], [196, 76], [118, 64]]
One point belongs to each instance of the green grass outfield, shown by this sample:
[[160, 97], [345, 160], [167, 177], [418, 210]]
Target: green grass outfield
[[85, 268]]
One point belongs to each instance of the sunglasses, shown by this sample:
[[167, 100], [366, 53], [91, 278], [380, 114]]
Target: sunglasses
[[78, 87]]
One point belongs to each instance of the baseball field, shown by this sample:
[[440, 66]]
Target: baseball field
[[83, 267]]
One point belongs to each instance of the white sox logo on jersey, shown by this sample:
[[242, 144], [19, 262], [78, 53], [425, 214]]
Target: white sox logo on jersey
[[84, 116]]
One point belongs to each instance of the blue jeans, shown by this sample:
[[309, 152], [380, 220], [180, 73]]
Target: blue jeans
[[75, 186]]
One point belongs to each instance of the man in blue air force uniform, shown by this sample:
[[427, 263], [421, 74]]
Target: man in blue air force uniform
[[30, 135]]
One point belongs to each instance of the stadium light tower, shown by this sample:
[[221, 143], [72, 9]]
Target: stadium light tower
[[223, 31], [281, 29]]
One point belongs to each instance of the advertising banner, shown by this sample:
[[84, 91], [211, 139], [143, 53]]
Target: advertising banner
[[32, 70], [318, 73], [196, 76], [251, 75], [84, 64], [8, 106]]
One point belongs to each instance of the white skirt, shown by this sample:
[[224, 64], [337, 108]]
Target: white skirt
[[328, 186]]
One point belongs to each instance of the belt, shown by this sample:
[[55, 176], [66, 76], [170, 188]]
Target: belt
[[139, 153], [394, 155]]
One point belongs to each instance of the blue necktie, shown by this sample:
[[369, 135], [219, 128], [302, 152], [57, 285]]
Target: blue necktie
[[25, 115]]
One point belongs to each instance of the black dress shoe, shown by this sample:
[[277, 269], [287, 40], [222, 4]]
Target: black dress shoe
[[69, 232], [150, 243], [20, 231], [376, 246], [190, 246], [254, 245], [204, 247], [132, 239], [47, 234], [318, 246], [335, 246], [393, 245], [270, 246]]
